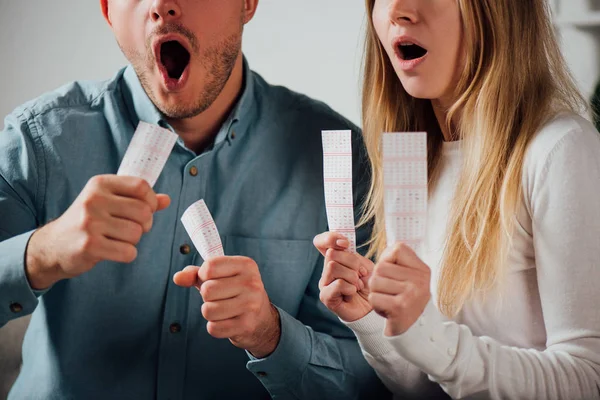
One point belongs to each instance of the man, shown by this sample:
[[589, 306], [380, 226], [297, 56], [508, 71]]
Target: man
[[94, 254]]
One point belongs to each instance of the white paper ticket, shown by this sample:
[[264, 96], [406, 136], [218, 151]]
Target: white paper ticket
[[148, 152], [405, 183], [199, 224], [337, 171]]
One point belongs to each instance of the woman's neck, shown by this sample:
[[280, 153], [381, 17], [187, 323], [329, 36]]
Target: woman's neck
[[440, 110]]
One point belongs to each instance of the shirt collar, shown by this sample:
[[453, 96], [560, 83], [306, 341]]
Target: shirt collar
[[141, 107]]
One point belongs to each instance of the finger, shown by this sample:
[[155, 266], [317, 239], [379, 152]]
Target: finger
[[402, 254], [343, 288], [163, 201], [224, 329], [225, 267], [224, 309], [132, 209], [188, 277], [330, 296], [383, 304], [123, 230], [381, 285], [330, 240], [334, 271], [128, 186], [397, 272], [114, 250], [223, 289], [351, 260]]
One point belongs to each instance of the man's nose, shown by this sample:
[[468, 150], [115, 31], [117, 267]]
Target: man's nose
[[166, 10]]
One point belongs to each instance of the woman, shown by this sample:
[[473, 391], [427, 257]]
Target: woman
[[502, 300]]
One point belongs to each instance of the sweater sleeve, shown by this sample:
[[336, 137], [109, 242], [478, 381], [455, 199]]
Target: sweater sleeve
[[401, 377]]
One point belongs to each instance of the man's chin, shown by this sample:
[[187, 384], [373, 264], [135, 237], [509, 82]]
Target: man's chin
[[177, 106], [178, 112]]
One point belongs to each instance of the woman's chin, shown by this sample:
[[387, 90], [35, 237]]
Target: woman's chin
[[419, 92]]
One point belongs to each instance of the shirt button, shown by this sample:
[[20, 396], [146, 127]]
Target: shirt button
[[233, 134], [194, 171], [175, 328], [422, 321], [16, 308], [431, 339], [262, 374], [185, 249], [451, 352]]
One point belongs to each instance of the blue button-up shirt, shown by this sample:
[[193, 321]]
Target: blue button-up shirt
[[108, 334]]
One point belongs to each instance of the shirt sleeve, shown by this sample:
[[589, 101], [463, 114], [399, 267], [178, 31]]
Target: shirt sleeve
[[566, 231], [20, 189]]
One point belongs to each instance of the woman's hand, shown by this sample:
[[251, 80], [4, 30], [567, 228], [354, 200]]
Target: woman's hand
[[344, 283], [400, 288]]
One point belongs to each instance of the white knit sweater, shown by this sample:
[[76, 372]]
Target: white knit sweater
[[540, 339]]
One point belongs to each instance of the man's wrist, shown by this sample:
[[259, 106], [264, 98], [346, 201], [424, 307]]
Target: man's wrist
[[270, 337], [41, 272]]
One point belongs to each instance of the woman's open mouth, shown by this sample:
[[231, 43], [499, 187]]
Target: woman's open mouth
[[173, 60], [410, 54]]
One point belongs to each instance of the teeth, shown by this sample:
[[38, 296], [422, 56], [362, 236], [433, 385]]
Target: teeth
[[406, 44]]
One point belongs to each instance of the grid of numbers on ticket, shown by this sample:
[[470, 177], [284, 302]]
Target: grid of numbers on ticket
[[337, 155], [399, 201], [397, 172], [407, 227], [337, 142], [340, 219], [337, 174], [201, 227], [405, 183], [405, 145], [148, 152], [339, 193]]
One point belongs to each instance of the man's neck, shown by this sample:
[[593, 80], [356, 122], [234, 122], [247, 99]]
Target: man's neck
[[199, 131]]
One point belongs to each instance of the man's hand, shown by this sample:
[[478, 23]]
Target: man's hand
[[105, 223], [236, 304], [400, 288], [344, 283]]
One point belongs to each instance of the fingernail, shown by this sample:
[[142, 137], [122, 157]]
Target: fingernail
[[363, 271], [361, 284], [342, 243]]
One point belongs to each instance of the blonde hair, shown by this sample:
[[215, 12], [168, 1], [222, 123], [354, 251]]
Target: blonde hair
[[515, 79]]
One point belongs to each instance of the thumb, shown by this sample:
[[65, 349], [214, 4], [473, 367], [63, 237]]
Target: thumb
[[330, 240], [188, 277], [163, 201]]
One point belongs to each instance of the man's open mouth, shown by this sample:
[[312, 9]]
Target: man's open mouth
[[410, 51], [175, 58]]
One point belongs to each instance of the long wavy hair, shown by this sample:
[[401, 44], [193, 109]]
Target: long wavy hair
[[514, 81]]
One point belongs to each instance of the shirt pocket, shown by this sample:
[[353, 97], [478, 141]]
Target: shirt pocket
[[286, 266]]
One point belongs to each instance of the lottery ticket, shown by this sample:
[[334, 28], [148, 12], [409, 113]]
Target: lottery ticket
[[199, 224], [148, 152], [405, 184], [337, 171]]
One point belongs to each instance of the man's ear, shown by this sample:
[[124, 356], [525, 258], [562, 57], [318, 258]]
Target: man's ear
[[104, 6], [249, 9]]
